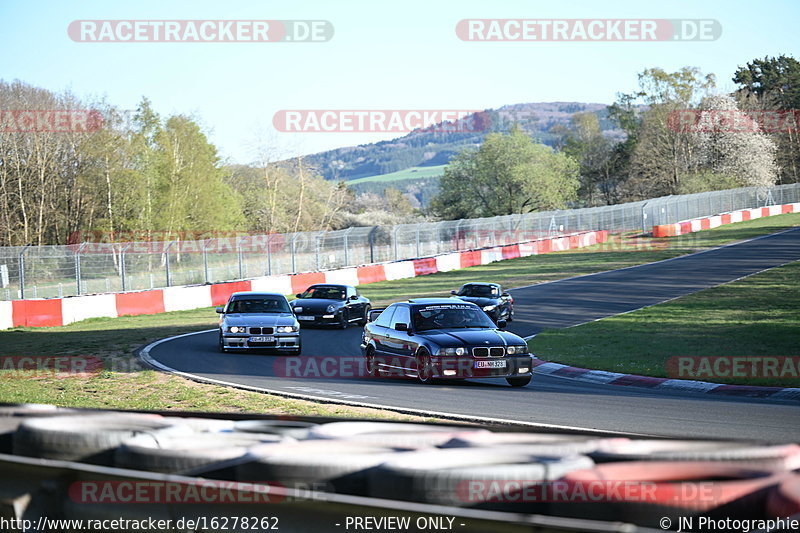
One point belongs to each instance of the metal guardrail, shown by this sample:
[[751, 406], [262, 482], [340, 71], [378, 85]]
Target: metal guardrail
[[90, 267]]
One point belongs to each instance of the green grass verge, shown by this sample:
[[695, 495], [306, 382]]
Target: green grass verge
[[405, 174], [125, 384], [758, 316]]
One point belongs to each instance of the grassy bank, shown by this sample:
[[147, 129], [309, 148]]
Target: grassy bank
[[758, 316]]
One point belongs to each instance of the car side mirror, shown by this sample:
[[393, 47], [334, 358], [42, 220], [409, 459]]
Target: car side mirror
[[401, 326], [505, 295], [220, 310], [354, 297], [297, 295], [501, 324], [453, 292]]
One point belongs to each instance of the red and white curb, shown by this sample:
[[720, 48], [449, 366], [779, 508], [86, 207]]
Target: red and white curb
[[602, 377], [699, 224]]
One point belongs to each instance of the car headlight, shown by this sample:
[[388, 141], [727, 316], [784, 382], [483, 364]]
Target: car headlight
[[286, 329], [332, 308], [236, 329], [452, 351], [490, 308], [517, 349], [298, 308]]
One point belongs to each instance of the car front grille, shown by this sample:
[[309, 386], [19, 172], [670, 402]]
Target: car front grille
[[261, 331], [494, 351]]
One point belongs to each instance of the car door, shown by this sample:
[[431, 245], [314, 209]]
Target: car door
[[402, 343], [379, 331]]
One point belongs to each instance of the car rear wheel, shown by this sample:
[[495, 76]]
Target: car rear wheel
[[365, 318], [519, 381], [424, 367]]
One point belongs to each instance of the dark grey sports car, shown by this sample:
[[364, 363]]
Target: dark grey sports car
[[327, 304], [490, 297], [429, 338], [258, 321]]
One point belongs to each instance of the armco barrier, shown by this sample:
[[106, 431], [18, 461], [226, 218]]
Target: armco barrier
[[62, 311], [699, 224]]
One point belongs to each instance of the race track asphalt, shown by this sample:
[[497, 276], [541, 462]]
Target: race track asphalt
[[548, 400]]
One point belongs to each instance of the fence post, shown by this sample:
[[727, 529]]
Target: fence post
[[78, 268], [238, 258], [644, 218], [458, 235], [394, 241], [316, 250], [122, 267], [346, 251], [205, 262], [166, 263], [22, 271], [269, 254], [418, 239], [371, 239], [294, 261]]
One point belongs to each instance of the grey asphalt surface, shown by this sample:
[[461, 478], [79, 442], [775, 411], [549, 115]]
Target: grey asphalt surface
[[547, 400]]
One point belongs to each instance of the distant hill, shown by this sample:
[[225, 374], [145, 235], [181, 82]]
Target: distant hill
[[422, 148]]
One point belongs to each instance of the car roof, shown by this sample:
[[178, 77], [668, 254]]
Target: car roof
[[255, 293], [437, 301], [482, 283], [331, 285]]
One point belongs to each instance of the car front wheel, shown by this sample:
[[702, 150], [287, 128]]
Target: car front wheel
[[519, 381], [424, 367], [365, 318], [221, 344]]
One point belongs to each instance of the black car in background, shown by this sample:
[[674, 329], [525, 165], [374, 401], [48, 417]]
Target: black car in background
[[430, 338], [490, 297], [327, 304]]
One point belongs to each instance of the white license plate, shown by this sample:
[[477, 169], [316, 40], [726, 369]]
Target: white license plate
[[301, 317], [490, 364], [262, 339]]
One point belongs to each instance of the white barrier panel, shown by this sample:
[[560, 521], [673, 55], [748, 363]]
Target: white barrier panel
[[795, 207], [279, 284], [401, 270], [526, 249], [696, 225], [736, 216], [491, 255], [185, 298], [344, 276], [6, 315], [448, 262], [82, 307], [561, 244], [774, 210], [715, 221], [755, 213]]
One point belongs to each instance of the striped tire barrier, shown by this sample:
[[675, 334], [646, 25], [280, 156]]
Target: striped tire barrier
[[780, 457], [448, 476], [784, 500], [699, 224], [295, 429], [643, 492], [91, 439], [174, 454], [62, 311], [325, 465], [11, 416]]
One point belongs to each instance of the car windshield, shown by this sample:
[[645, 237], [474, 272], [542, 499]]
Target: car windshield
[[325, 293], [259, 305], [449, 316], [479, 291]]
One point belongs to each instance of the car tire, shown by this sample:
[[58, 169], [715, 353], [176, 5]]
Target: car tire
[[369, 362], [365, 318], [221, 345], [520, 381], [344, 321], [510, 315], [424, 367]]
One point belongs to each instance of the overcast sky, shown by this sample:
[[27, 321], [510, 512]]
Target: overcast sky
[[383, 55]]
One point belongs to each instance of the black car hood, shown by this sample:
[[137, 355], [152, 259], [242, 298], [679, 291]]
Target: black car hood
[[316, 304], [481, 302], [471, 337]]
